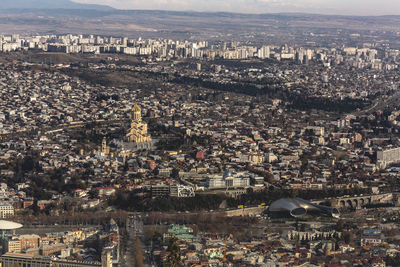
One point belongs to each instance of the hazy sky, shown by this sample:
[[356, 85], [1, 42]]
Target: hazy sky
[[345, 7]]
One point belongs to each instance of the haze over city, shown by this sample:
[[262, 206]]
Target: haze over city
[[337, 7]]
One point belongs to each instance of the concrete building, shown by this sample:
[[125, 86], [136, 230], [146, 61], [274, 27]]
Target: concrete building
[[228, 180], [6, 211], [386, 157], [15, 259], [22, 242]]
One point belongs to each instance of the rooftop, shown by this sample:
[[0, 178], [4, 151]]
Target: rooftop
[[8, 225]]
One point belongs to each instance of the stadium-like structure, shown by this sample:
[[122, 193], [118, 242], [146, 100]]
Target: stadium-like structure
[[297, 207]]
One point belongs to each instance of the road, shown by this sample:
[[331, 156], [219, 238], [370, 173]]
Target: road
[[381, 104], [135, 229]]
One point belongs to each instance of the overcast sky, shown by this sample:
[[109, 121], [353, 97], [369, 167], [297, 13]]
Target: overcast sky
[[345, 7]]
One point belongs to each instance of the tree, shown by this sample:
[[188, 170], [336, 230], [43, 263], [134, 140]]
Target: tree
[[348, 237], [174, 257], [138, 253]]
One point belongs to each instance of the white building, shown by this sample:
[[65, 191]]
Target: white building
[[385, 157], [6, 211], [228, 180]]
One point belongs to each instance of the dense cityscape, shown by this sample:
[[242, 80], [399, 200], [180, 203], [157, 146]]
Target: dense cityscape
[[220, 151]]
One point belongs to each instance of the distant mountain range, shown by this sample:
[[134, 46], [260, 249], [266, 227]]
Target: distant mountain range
[[48, 4]]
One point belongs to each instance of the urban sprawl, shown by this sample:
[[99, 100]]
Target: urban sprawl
[[144, 152]]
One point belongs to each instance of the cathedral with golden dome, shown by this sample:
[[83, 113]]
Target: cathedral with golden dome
[[137, 133]]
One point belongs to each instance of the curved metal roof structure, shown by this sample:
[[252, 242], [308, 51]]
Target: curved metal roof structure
[[8, 225], [298, 207]]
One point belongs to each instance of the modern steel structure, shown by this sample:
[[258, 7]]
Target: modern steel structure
[[7, 228], [297, 207]]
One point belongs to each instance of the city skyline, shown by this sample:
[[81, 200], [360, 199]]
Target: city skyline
[[332, 7]]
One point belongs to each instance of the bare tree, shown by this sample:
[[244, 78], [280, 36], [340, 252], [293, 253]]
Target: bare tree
[[138, 253]]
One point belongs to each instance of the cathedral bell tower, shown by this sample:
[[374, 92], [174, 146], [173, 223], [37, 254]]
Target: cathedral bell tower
[[137, 113]]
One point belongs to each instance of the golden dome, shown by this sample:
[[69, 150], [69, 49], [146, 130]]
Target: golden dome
[[136, 108]]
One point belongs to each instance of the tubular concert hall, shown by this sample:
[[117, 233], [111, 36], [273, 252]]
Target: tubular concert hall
[[297, 207]]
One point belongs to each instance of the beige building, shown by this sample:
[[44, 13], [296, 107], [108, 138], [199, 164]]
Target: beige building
[[13, 245], [138, 132], [6, 211], [22, 242]]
